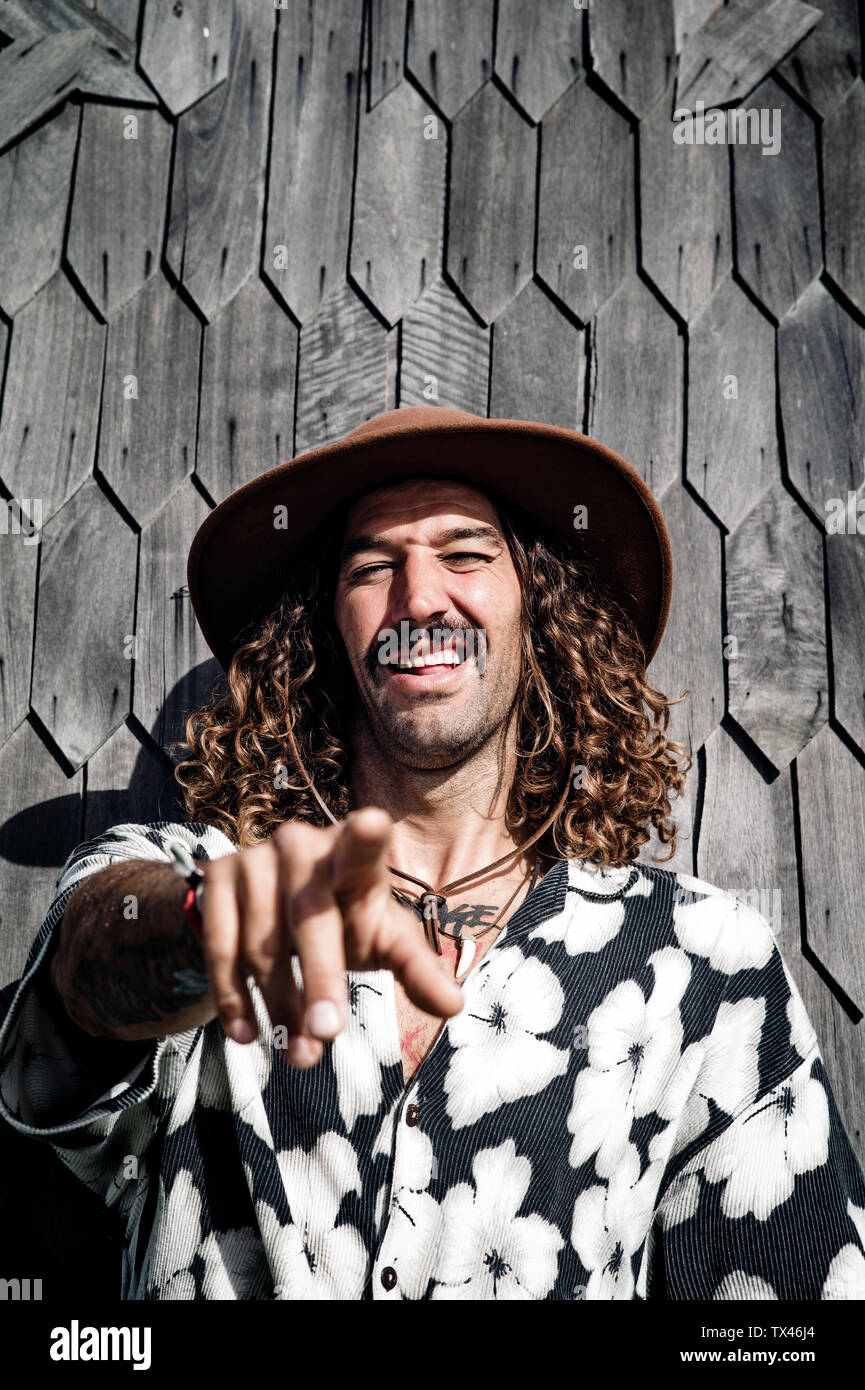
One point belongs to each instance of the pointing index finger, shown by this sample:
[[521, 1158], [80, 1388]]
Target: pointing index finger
[[358, 859]]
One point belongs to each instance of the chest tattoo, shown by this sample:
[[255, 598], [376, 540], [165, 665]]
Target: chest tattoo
[[457, 919]]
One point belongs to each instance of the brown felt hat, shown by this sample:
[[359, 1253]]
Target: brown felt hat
[[239, 557]]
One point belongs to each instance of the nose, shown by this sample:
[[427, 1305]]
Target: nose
[[419, 590]]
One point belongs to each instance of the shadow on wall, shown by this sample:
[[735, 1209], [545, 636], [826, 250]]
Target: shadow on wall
[[51, 1227], [45, 833]]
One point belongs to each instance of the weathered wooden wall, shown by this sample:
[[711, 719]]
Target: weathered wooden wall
[[232, 231]]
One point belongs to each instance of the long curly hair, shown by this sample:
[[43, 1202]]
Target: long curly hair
[[584, 711]]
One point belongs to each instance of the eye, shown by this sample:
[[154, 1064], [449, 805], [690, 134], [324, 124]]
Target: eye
[[459, 555], [366, 571]]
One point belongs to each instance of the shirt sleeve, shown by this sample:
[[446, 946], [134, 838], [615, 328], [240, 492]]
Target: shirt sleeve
[[50, 1070], [764, 1197]]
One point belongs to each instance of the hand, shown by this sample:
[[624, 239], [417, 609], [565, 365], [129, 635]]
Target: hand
[[325, 895]]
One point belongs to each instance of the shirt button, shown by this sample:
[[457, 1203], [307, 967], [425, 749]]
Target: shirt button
[[388, 1278], [412, 1115]]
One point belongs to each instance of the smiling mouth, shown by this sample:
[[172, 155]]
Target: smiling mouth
[[435, 661], [426, 657]]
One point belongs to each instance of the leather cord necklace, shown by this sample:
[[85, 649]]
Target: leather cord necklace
[[431, 901]]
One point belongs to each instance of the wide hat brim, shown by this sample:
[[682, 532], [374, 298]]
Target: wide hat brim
[[239, 557]]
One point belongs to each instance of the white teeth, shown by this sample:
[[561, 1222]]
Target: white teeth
[[441, 659]]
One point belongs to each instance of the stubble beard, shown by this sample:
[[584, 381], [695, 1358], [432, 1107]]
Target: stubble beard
[[433, 736]]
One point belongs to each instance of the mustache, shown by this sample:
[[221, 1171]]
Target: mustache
[[411, 639]]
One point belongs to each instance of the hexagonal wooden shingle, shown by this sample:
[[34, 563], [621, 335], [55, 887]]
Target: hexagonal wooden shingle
[[778, 204], [312, 152], [732, 451], [445, 354], [635, 383], [51, 399], [219, 171], [398, 201], [450, 50], [150, 395], [118, 210], [821, 370], [82, 658], [685, 202], [342, 375], [586, 200], [34, 184], [184, 49], [775, 614], [246, 417], [492, 202], [539, 52]]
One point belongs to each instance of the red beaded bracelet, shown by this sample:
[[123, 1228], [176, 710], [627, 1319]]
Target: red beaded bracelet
[[191, 911]]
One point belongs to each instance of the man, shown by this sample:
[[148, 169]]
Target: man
[[440, 1037]]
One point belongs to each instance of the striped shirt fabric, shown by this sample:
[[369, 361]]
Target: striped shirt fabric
[[631, 1105]]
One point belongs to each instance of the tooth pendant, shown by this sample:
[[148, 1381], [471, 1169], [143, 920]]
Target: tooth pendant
[[467, 955]]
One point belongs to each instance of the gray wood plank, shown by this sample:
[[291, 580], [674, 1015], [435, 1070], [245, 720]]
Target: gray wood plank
[[688, 16], [449, 51], [586, 200], [40, 819], [34, 190], [633, 47], [747, 839], [79, 52], [492, 196], [822, 67], [445, 354], [17, 22], [777, 199], [81, 687], [735, 49], [539, 363], [775, 614], [846, 587], [149, 399], [690, 655], [821, 369], [121, 14], [184, 49], [343, 371], [313, 132], [635, 383], [128, 781], [18, 564], [841, 1045], [747, 845], [35, 80], [685, 202], [832, 816], [385, 47], [689, 662], [246, 418], [173, 666], [732, 451], [219, 170], [539, 51], [843, 146], [398, 201], [118, 203], [51, 401]]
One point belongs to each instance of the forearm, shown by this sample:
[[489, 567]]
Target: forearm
[[128, 966]]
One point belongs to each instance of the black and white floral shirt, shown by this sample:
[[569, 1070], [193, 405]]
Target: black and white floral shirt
[[632, 1104]]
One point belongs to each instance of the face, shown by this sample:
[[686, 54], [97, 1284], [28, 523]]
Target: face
[[428, 606]]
